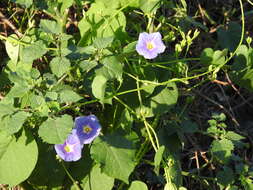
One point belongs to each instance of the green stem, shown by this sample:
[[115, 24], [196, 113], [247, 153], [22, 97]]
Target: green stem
[[70, 177], [126, 106]]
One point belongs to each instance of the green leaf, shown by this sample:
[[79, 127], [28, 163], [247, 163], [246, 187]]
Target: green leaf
[[59, 66], [248, 184], [170, 186], [158, 158], [130, 3], [221, 149], [229, 38], [242, 68], [51, 96], [162, 100], [119, 3], [149, 6], [210, 57], [20, 157], [219, 117], [174, 169], [55, 131], [98, 87], [233, 136], [116, 156], [101, 43], [138, 185], [13, 123], [111, 68], [188, 126], [6, 109], [96, 179], [100, 22], [5, 140], [48, 171], [65, 5], [26, 3], [36, 101], [12, 48], [69, 96], [18, 91], [225, 177], [86, 66], [126, 120], [50, 26], [130, 48], [32, 52]]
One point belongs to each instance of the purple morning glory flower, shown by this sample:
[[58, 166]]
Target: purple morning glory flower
[[150, 45], [87, 128], [71, 149]]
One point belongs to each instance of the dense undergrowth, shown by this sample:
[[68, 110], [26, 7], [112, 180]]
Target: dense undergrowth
[[126, 94]]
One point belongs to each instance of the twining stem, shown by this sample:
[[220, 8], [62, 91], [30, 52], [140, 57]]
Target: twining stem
[[70, 177]]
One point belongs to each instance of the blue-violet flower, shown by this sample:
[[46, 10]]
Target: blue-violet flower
[[71, 149], [150, 45], [87, 128]]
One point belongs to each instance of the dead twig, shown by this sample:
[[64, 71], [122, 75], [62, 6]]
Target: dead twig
[[219, 105], [7, 22]]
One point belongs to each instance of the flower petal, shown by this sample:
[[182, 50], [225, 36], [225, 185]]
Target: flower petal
[[154, 38]]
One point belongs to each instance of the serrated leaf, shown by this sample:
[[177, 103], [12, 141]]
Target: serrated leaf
[[6, 109], [116, 156], [55, 131], [138, 185], [18, 91], [233, 136], [59, 66], [90, 182], [111, 68], [32, 52], [20, 157], [69, 96], [36, 101], [51, 96], [50, 26], [101, 43], [221, 149]]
